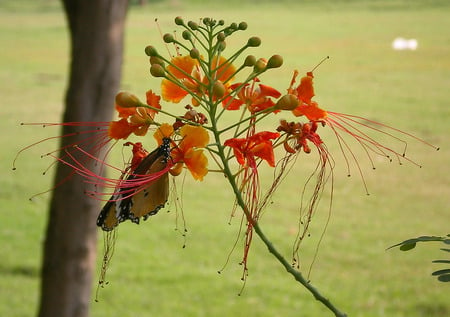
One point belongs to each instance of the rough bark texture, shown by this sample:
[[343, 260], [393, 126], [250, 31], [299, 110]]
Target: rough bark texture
[[96, 33]]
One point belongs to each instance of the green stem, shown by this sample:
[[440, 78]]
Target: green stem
[[297, 274]]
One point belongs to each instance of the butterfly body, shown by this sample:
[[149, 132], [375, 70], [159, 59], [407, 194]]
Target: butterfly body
[[141, 201]]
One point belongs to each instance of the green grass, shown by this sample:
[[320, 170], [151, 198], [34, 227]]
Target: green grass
[[151, 274]]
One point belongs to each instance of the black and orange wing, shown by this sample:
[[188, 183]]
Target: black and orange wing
[[144, 202]]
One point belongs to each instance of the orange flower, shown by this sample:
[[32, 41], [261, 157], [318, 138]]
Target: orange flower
[[186, 78], [189, 151], [184, 70], [257, 145], [256, 98], [135, 117]]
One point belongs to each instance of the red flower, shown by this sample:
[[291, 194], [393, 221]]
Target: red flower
[[363, 131], [258, 145], [304, 92], [255, 97]]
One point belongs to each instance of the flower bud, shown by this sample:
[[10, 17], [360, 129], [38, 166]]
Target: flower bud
[[151, 51], [157, 70], [186, 35], [287, 102], [242, 26], [168, 38], [221, 37], [126, 100], [254, 41], [275, 61], [250, 60], [193, 25], [156, 60], [194, 53], [221, 46], [260, 65], [179, 21], [218, 89]]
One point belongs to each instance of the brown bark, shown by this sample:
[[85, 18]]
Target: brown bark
[[96, 33]]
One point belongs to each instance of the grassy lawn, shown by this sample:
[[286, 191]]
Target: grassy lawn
[[151, 274]]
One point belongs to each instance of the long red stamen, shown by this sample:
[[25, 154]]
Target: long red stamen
[[101, 135], [125, 187]]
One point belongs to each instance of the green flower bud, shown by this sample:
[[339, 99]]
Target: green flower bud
[[275, 61], [242, 26], [157, 70], [193, 25], [221, 22], [221, 37], [221, 46], [250, 61], [156, 60], [194, 53], [254, 41], [218, 89], [179, 21], [186, 35], [260, 65], [151, 51], [168, 38], [233, 26], [206, 21], [287, 102]]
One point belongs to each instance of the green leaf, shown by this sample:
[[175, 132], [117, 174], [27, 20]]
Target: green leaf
[[407, 246], [441, 261], [441, 272], [411, 243], [444, 278]]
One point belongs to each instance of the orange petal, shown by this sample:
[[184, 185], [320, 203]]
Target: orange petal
[[311, 111], [193, 137], [224, 69], [164, 131], [265, 151], [171, 92], [268, 91], [125, 112], [181, 65], [120, 129], [153, 100], [197, 163], [305, 91]]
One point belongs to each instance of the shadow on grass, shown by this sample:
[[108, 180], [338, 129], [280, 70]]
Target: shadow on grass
[[432, 309], [25, 271]]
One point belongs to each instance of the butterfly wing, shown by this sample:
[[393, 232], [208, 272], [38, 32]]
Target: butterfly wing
[[145, 201], [107, 219], [149, 200]]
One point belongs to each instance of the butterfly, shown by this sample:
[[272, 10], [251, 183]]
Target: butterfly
[[134, 203]]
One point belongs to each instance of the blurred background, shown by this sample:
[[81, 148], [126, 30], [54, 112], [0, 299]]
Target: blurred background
[[402, 85]]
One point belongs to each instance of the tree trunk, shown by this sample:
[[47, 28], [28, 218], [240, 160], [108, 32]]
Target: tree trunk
[[96, 30]]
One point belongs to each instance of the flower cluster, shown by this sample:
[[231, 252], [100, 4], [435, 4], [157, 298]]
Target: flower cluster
[[212, 81]]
